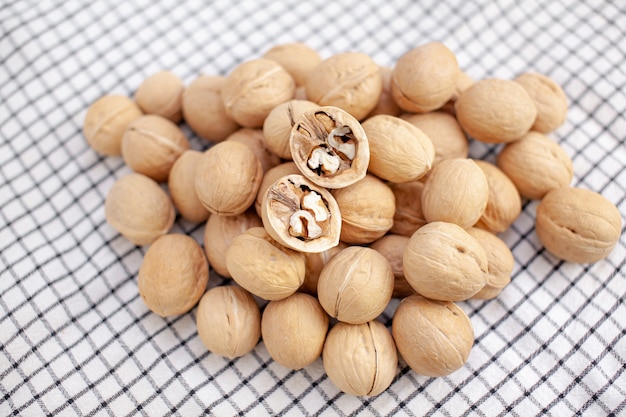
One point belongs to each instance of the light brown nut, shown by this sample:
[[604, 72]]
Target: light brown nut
[[151, 145], [106, 121], [360, 359], [300, 215], [270, 177], [219, 233], [500, 263], [504, 204], [300, 93], [161, 94], [356, 284], [254, 88], [329, 147], [297, 58], [444, 132], [139, 209], [294, 330], [443, 262], [228, 321], [392, 247], [278, 124], [463, 82], [399, 151], [536, 164], [408, 216], [367, 210], [229, 176], [424, 78], [254, 139], [349, 80], [435, 338], [173, 275], [496, 111], [204, 111], [386, 104], [263, 266], [549, 98], [578, 225], [314, 263], [456, 191], [181, 184]]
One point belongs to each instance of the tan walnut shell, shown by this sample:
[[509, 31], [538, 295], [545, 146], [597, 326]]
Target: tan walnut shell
[[456, 191], [578, 225], [294, 330], [161, 94], [500, 263], [392, 247], [297, 58], [279, 122], [254, 88], [228, 321], [360, 359], [270, 177], [330, 147], [300, 215], [399, 151], [386, 104], [314, 263], [173, 275], [442, 261], [356, 284], [536, 164], [504, 204], [367, 210], [349, 80], [495, 110], [435, 338], [253, 138], [181, 184], [408, 216], [139, 209], [228, 178], [549, 98], [263, 266]]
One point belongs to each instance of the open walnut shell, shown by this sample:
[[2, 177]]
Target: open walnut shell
[[330, 147], [300, 215]]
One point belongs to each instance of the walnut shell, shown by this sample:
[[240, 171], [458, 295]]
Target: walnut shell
[[463, 82], [297, 58], [444, 262], [504, 204], [228, 178], [456, 191], [399, 151], [263, 266], [408, 216], [294, 330], [300, 215], [219, 233], [367, 210], [356, 284], [360, 359], [279, 122], [578, 225], [181, 184], [139, 209], [435, 338], [253, 89], [253, 138], [173, 275], [500, 263], [330, 147], [270, 177], [444, 132], [392, 247], [228, 321], [106, 121], [349, 80], [314, 263], [536, 164], [151, 145], [161, 94], [424, 78], [496, 111], [204, 111], [549, 98], [386, 104]]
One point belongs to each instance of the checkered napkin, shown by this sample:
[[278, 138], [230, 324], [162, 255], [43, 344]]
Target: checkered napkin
[[76, 338]]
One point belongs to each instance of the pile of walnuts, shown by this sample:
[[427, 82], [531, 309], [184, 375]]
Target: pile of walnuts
[[332, 186]]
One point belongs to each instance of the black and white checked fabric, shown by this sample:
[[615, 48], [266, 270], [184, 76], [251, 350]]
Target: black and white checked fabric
[[76, 338]]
